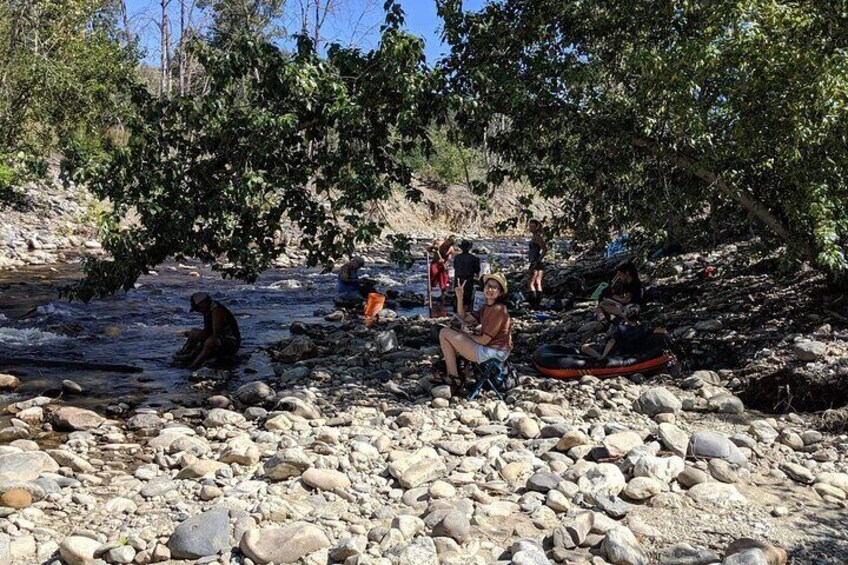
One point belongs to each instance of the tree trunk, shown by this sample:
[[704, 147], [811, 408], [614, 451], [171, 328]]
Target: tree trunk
[[751, 204], [182, 44], [316, 33], [165, 55], [126, 20]]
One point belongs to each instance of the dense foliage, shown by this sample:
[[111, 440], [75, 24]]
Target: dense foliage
[[63, 74], [673, 115], [276, 138], [682, 117]]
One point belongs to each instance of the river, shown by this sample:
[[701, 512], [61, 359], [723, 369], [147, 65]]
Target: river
[[143, 327]]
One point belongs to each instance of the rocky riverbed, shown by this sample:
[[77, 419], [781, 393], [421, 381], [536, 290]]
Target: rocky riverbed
[[340, 450]]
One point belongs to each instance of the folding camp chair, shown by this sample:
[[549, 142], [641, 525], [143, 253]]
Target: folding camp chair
[[491, 374]]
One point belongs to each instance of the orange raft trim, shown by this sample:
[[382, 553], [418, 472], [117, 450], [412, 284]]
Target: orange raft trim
[[654, 364]]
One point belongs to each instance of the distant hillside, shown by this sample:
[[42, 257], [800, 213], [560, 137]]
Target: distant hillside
[[54, 223]]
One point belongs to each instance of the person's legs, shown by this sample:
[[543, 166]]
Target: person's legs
[[611, 308], [589, 349], [453, 343], [536, 284], [444, 281], [210, 348], [468, 295]]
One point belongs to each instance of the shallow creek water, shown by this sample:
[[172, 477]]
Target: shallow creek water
[[143, 327]]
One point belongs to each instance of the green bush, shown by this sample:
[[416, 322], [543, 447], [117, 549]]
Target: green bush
[[448, 161]]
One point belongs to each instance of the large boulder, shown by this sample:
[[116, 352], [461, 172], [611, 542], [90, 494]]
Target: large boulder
[[602, 479], [619, 444], [809, 350], [325, 479], [240, 450], [26, 465], [283, 545], [300, 347], [202, 535], [621, 547], [725, 403], [287, 463], [146, 422], [717, 495], [663, 469], [70, 418], [657, 400], [454, 525], [673, 438], [706, 444], [416, 469], [78, 550], [9, 382], [219, 417], [256, 393]]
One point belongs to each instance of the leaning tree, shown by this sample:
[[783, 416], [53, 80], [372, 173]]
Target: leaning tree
[[277, 139], [673, 114]]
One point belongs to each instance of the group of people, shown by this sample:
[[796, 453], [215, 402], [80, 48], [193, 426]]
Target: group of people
[[493, 339], [466, 266], [619, 302]]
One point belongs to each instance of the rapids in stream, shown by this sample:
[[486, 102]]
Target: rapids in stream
[[144, 327]]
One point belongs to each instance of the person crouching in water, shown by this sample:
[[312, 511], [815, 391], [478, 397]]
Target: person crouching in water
[[219, 338], [495, 338], [466, 268], [350, 287], [630, 338], [537, 249]]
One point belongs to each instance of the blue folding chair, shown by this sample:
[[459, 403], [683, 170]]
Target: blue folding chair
[[491, 375]]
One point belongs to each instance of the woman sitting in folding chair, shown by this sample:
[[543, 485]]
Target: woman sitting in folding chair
[[495, 338]]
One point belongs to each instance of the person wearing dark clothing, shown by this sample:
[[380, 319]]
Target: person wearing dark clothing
[[350, 286], [626, 288], [630, 338], [537, 248], [466, 268], [219, 338]]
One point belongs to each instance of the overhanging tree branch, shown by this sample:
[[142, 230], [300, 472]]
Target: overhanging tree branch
[[751, 204]]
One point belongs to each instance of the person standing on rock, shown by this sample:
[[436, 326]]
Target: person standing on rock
[[537, 249], [441, 253], [626, 289], [495, 338], [219, 338], [466, 268]]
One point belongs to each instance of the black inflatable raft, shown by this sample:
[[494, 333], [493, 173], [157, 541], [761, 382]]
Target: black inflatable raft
[[566, 362]]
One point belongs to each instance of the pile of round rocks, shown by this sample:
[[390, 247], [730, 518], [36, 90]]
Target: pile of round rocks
[[341, 450]]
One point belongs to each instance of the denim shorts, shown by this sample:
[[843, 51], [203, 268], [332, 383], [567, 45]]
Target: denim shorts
[[485, 353]]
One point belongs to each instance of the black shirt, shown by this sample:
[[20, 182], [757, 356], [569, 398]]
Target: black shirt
[[466, 265], [634, 289], [230, 330], [631, 340], [534, 252]]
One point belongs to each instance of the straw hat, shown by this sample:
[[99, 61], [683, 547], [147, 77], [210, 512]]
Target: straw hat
[[498, 278]]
